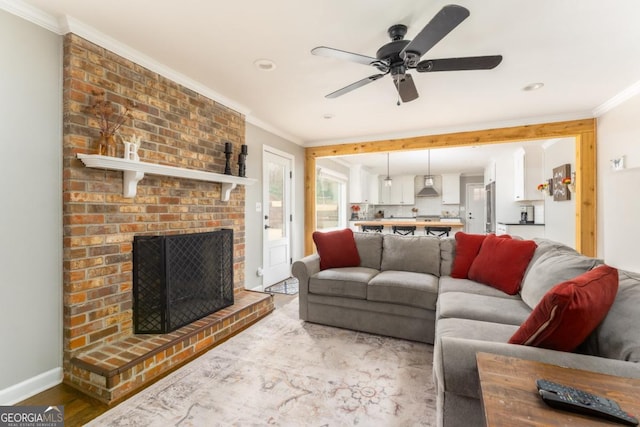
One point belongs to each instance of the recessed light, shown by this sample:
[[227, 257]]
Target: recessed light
[[327, 116], [264, 64], [533, 86]]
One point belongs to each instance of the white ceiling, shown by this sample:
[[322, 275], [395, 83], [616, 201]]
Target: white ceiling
[[586, 52]]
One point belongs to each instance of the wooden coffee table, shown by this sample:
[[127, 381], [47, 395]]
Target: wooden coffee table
[[510, 396]]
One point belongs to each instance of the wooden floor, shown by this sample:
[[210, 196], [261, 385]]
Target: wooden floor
[[79, 408]]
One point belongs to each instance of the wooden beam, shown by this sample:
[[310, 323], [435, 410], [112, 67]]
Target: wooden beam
[[309, 202], [585, 186], [584, 132]]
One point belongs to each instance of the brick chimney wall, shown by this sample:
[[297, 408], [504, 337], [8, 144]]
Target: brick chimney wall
[[178, 127]]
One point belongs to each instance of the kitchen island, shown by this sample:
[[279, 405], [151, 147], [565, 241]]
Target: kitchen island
[[408, 222]]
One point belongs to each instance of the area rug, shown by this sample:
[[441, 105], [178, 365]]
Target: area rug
[[285, 372], [288, 287]]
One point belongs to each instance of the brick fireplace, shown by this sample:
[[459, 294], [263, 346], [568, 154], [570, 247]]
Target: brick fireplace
[[178, 127]]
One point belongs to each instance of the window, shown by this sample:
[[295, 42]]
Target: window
[[331, 200]]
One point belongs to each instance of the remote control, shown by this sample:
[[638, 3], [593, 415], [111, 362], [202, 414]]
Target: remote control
[[575, 400]]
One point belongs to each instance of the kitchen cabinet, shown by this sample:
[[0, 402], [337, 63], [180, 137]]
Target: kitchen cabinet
[[527, 166], [363, 185], [490, 173], [451, 189], [401, 192]]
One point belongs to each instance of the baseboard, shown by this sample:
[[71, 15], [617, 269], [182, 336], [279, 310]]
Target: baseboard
[[32, 386]]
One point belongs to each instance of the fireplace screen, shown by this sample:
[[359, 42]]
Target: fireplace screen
[[180, 279]]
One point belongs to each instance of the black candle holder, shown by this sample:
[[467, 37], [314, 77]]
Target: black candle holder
[[228, 150], [242, 158]]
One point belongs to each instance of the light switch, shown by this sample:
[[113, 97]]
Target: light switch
[[258, 207], [617, 164]]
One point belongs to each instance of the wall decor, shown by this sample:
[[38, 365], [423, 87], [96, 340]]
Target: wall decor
[[560, 189], [242, 159], [110, 118], [228, 150]]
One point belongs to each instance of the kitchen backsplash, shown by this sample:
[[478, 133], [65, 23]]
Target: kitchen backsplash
[[369, 211]]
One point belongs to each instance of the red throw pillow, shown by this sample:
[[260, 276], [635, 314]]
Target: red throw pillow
[[467, 248], [501, 263], [570, 311], [336, 249]]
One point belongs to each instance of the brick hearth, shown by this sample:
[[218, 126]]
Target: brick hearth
[[178, 127], [115, 370]]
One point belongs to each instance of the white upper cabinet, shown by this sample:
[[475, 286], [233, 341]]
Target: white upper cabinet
[[374, 191], [490, 173], [363, 185], [401, 192], [527, 166], [451, 189]]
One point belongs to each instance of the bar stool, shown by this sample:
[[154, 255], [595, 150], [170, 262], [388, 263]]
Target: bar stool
[[437, 231], [403, 230], [375, 228]]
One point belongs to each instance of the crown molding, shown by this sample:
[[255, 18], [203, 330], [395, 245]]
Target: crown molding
[[620, 98], [32, 14], [272, 129]]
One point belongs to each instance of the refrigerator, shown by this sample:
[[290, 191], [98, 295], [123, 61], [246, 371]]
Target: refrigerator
[[490, 226]]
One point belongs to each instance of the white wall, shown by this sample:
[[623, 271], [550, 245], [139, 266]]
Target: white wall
[[618, 200], [31, 214], [560, 217], [256, 138]]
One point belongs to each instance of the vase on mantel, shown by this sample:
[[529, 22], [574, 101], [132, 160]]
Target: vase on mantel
[[107, 145]]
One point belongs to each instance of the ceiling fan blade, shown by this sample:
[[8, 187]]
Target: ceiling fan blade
[[448, 18], [355, 85], [330, 52], [459, 64], [406, 88]]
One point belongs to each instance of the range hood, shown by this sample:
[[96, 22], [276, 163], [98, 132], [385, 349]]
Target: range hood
[[428, 190]]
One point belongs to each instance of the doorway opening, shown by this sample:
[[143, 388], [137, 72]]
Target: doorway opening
[[277, 201]]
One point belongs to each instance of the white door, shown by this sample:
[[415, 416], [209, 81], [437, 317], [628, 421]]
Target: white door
[[475, 208], [277, 177]]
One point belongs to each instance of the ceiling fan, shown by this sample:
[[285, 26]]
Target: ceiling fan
[[399, 55]]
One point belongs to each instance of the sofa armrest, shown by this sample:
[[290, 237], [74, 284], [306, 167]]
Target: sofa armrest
[[456, 371], [302, 270]]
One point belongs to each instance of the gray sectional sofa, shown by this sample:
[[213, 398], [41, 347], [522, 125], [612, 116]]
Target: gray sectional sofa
[[403, 288]]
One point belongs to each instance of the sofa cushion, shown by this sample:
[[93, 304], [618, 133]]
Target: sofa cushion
[[618, 336], [419, 254], [501, 263], [404, 287], [336, 249], [449, 284], [447, 254], [348, 282], [456, 371], [467, 249], [462, 305], [551, 268], [570, 311], [369, 248], [546, 245]]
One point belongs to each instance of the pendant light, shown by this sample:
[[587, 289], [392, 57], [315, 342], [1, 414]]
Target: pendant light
[[388, 180], [428, 180]]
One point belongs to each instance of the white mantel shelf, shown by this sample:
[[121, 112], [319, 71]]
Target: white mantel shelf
[[134, 171]]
